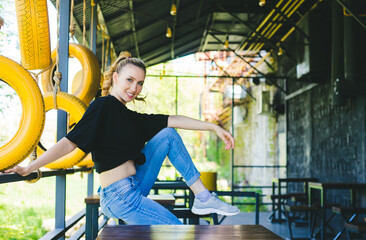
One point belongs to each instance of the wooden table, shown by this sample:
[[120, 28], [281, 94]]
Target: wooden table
[[277, 183], [323, 187], [186, 232]]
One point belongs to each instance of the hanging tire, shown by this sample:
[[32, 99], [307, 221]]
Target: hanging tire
[[34, 36], [87, 162], [89, 84], [33, 116], [76, 108]]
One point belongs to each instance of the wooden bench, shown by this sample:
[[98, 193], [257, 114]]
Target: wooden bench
[[188, 232], [92, 214]]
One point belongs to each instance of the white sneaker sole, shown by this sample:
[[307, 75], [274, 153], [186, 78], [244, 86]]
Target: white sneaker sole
[[212, 210]]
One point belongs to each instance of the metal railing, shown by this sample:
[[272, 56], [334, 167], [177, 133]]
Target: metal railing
[[58, 232]]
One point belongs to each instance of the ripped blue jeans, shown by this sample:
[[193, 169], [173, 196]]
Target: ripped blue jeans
[[127, 199]]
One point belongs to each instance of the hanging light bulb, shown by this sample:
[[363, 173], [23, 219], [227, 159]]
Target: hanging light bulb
[[168, 32], [280, 51], [173, 10], [226, 44], [262, 3]]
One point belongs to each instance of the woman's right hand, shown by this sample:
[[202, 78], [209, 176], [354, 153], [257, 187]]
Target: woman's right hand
[[23, 171]]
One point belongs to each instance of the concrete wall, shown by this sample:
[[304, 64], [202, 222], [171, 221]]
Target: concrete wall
[[325, 137]]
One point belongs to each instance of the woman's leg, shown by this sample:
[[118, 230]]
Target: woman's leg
[[166, 143], [123, 200]]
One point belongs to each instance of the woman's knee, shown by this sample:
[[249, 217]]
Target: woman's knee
[[169, 133]]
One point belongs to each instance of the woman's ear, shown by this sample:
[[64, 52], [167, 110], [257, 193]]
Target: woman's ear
[[115, 78]]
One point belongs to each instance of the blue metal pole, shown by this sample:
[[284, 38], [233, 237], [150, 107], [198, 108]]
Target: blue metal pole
[[90, 187], [60, 204], [93, 47]]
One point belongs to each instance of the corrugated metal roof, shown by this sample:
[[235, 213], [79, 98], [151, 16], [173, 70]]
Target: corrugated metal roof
[[139, 26]]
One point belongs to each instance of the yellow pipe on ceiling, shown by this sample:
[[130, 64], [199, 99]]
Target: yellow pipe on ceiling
[[271, 24], [261, 25]]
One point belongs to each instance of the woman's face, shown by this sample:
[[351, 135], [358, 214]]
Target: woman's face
[[127, 84]]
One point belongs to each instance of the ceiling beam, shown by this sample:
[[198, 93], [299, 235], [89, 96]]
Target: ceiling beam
[[188, 38], [205, 33], [133, 25], [178, 27], [272, 45], [351, 9], [239, 56], [182, 50], [118, 14]]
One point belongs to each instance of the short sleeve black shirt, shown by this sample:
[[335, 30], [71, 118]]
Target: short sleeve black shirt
[[114, 134]]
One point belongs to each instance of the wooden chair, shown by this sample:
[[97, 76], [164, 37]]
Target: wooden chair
[[291, 212], [357, 228], [283, 199]]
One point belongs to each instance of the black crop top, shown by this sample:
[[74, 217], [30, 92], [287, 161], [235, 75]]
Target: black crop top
[[114, 134]]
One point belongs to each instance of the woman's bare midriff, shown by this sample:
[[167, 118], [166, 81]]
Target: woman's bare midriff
[[124, 170]]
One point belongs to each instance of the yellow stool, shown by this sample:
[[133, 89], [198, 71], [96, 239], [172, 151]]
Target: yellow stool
[[209, 180]]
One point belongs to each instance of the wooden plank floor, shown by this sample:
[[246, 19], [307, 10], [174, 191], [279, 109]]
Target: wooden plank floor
[[186, 232]]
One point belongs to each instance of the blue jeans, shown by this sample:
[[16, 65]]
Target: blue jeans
[[127, 199]]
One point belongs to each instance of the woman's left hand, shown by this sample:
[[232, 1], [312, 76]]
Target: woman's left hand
[[226, 137]]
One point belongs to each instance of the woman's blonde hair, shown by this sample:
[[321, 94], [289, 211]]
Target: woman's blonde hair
[[123, 59]]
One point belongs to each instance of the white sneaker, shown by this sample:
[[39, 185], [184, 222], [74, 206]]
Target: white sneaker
[[214, 205]]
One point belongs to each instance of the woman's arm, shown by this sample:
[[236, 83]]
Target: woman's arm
[[60, 149], [177, 121]]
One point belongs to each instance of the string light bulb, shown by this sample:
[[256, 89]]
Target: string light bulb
[[168, 32], [226, 44], [173, 10], [280, 51], [262, 3]]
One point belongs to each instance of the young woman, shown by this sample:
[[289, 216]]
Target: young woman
[[128, 167]]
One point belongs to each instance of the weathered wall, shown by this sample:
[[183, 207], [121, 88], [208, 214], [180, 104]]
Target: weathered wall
[[324, 139], [256, 144]]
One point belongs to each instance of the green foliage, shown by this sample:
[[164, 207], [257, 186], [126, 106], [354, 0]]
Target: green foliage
[[24, 207], [250, 208], [9, 42], [216, 152], [21, 223]]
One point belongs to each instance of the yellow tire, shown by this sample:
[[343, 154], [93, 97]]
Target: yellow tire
[[90, 82], [34, 36], [33, 116], [77, 81], [76, 108], [87, 162]]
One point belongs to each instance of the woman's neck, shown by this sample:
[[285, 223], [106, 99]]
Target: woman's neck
[[112, 93]]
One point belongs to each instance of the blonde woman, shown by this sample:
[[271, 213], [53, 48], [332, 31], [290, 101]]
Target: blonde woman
[[128, 149]]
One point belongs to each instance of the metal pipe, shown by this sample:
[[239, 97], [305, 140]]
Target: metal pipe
[[352, 56], [349, 9], [261, 24], [337, 64], [208, 76]]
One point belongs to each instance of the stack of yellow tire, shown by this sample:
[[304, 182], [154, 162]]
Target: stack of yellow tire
[[85, 86], [32, 18]]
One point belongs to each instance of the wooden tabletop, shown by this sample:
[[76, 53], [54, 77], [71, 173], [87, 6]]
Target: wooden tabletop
[[307, 179], [337, 185], [186, 232]]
